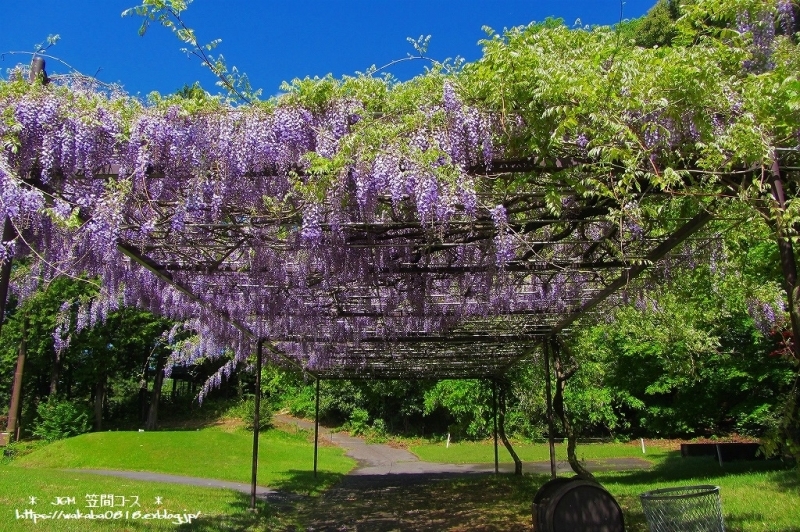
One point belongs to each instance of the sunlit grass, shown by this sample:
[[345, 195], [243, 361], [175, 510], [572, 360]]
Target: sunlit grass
[[37, 490], [285, 459], [483, 452], [755, 495]]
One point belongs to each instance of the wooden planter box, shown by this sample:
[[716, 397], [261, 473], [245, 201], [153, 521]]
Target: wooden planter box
[[727, 451], [4, 439]]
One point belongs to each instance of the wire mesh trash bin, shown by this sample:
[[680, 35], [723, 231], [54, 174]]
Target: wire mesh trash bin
[[683, 509]]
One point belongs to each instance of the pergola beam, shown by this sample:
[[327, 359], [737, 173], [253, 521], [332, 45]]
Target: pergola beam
[[658, 253]]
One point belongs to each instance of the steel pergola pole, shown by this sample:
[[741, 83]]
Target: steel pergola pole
[[494, 415], [316, 428], [550, 424], [256, 423]]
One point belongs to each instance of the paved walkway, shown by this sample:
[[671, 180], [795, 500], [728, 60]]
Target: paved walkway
[[379, 459], [262, 493]]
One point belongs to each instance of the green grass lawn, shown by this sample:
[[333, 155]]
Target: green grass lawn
[[26, 491], [483, 452], [285, 463], [756, 495], [285, 460]]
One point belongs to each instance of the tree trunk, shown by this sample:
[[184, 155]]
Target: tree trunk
[[143, 400], [155, 396], [13, 427], [99, 399], [143, 407], [5, 270], [789, 269], [562, 376], [55, 373], [501, 429], [788, 262]]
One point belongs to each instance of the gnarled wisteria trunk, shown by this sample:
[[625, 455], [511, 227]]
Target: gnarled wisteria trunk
[[502, 428], [563, 373], [788, 260]]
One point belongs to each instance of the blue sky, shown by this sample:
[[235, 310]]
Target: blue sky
[[273, 41]]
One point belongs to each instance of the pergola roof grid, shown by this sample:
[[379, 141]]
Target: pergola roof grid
[[590, 258]]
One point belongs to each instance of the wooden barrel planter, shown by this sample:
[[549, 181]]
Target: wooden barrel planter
[[570, 504]]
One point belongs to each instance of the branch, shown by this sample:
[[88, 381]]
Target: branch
[[168, 13]]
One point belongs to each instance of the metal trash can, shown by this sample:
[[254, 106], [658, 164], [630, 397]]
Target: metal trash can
[[683, 509]]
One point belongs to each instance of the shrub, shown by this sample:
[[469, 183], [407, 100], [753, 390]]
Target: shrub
[[15, 449], [302, 404], [246, 410], [57, 419], [359, 422]]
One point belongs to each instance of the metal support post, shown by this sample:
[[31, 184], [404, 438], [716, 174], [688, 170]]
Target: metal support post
[[494, 415], [316, 428], [256, 423], [550, 424]]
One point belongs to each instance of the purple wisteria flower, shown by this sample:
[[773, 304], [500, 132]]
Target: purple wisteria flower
[[764, 315], [786, 16], [312, 225]]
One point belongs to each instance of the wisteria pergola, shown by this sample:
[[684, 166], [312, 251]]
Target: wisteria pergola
[[570, 263], [462, 316], [356, 236], [456, 314]]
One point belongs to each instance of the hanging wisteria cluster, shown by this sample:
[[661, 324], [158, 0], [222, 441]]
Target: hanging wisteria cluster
[[760, 26], [392, 250], [342, 227]]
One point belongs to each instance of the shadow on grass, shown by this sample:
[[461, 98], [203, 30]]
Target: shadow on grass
[[744, 521], [479, 502], [789, 479], [275, 511], [675, 468], [424, 503], [239, 517], [430, 502], [304, 483]]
